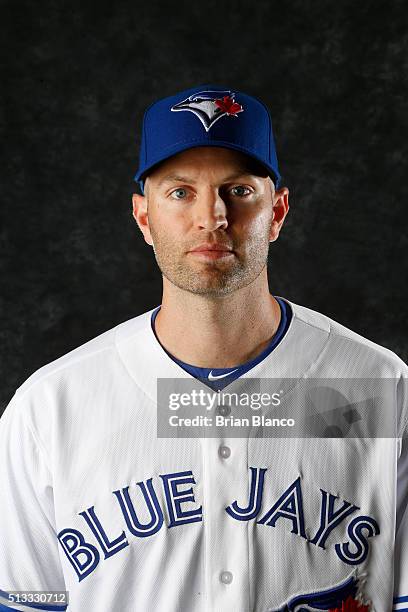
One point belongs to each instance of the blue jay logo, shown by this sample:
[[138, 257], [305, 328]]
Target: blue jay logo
[[209, 106], [335, 599]]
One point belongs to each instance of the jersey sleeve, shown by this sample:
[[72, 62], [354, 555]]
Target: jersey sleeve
[[400, 602], [29, 555]]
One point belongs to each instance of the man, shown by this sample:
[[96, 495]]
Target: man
[[97, 503]]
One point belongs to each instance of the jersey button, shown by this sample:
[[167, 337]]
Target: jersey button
[[224, 410], [224, 452], [226, 577]]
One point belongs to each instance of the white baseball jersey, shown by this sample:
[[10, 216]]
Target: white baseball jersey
[[94, 503]]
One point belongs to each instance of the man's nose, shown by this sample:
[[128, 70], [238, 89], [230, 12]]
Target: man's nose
[[210, 210]]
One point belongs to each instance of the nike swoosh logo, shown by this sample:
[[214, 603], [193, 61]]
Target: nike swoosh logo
[[212, 376]]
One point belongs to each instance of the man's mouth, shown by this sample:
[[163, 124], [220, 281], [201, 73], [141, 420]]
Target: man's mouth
[[211, 251]]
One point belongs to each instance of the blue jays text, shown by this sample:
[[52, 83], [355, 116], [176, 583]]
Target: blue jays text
[[84, 556]]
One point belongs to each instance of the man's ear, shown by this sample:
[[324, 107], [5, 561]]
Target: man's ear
[[280, 210], [141, 217]]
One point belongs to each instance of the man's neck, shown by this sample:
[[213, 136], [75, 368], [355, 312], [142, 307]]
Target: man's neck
[[217, 333]]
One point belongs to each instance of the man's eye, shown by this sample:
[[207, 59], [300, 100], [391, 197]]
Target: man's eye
[[240, 190], [179, 193]]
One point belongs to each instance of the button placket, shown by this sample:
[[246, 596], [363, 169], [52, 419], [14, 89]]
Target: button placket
[[227, 560]]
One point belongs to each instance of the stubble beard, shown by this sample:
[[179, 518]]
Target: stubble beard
[[212, 279]]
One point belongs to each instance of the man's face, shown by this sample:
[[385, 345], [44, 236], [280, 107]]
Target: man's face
[[208, 213]]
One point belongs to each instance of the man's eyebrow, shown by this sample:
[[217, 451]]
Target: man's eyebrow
[[238, 174], [176, 178]]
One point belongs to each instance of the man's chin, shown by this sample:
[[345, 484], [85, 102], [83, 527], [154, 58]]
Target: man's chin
[[207, 280], [209, 287]]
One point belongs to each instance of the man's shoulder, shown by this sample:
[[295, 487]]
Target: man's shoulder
[[91, 353], [348, 343]]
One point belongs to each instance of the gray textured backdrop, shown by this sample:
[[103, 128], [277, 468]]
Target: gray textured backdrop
[[75, 80]]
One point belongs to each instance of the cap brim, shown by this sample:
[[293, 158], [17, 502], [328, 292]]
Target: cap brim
[[170, 152]]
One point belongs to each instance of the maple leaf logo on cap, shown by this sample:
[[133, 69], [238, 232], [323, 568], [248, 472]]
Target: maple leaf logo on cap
[[227, 105], [210, 106]]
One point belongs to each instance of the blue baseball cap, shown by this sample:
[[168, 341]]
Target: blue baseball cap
[[211, 116]]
